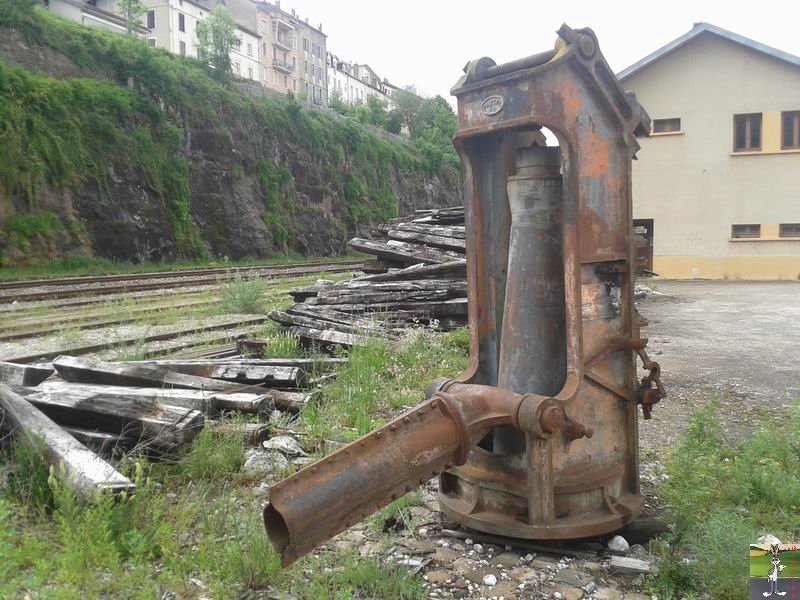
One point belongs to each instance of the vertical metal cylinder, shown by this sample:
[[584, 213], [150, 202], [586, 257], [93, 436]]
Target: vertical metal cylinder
[[533, 346]]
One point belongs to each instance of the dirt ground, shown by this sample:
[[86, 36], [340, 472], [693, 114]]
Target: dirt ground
[[738, 341]]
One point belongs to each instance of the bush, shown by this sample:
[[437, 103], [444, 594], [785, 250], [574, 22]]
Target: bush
[[243, 295]]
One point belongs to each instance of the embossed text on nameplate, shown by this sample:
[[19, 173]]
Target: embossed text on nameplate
[[492, 105]]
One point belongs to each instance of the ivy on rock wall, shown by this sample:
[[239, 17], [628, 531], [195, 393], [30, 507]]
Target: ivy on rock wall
[[136, 116]]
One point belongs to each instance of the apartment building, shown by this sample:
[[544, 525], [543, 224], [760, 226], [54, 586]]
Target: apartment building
[[172, 24], [92, 13], [245, 61], [353, 83], [716, 188]]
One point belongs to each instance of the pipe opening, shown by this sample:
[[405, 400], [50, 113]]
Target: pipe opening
[[277, 531]]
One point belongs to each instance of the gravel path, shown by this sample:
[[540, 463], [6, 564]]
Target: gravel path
[[738, 341]]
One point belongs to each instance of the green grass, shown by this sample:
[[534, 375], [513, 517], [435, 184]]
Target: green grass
[[723, 497], [379, 378], [243, 294], [193, 528]]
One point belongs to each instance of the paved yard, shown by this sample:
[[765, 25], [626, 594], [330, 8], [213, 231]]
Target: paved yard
[[736, 340]]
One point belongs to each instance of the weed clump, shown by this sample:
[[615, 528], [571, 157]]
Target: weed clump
[[243, 295], [724, 497]]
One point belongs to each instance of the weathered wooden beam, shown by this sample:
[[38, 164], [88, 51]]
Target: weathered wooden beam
[[79, 467], [450, 231], [100, 441], [456, 269], [238, 371], [403, 252], [313, 322], [165, 426], [220, 393], [14, 374], [437, 241], [327, 337], [252, 433]]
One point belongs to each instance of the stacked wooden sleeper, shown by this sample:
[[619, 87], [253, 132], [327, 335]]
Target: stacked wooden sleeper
[[418, 279], [95, 409]]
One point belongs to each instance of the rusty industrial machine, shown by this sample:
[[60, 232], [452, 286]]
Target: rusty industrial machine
[[539, 437]]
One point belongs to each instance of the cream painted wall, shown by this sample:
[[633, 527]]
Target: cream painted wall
[[692, 185]]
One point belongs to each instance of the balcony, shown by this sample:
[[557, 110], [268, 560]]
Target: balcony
[[282, 66], [283, 43]]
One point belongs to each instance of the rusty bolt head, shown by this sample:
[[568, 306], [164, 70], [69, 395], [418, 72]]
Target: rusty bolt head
[[551, 419], [586, 45]]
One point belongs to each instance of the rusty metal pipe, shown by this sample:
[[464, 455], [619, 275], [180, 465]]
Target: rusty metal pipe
[[332, 494]]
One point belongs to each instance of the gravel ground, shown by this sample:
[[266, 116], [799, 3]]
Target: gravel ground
[[737, 341]]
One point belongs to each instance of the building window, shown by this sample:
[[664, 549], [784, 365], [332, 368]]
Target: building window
[[747, 132], [790, 121], [236, 68], [151, 19], [285, 82], [249, 49], [182, 46], [275, 31], [745, 231], [305, 67], [181, 23], [264, 27], [151, 42], [790, 230], [294, 85], [666, 125], [250, 72], [264, 49]]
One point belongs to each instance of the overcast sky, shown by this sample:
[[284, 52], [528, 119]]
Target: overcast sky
[[427, 43]]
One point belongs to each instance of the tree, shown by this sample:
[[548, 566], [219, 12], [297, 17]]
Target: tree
[[335, 102], [132, 10], [216, 36], [407, 102]]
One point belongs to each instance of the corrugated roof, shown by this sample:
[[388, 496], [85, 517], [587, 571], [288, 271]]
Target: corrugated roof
[[698, 30]]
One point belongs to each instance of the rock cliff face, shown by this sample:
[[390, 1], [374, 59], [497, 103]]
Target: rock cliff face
[[251, 193]]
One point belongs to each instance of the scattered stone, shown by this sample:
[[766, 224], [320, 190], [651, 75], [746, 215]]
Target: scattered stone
[[543, 562], [507, 560], [445, 555], [607, 593], [463, 565], [507, 589], [264, 463], [639, 551], [461, 583], [523, 574], [618, 544], [437, 576], [478, 574], [468, 542], [284, 444], [573, 577], [425, 546], [490, 580], [422, 531], [529, 557], [590, 587], [629, 596], [567, 592], [302, 461], [478, 548]]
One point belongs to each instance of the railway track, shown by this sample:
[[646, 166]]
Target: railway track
[[235, 325], [108, 285]]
